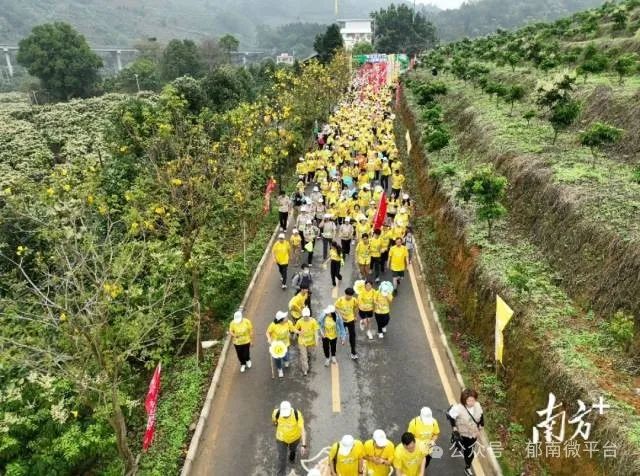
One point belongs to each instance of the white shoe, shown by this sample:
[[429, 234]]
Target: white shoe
[[380, 336], [354, 356], [361, 325], [286, 364], [370, 334], [242, 368], [280, 373], [384, 329], [326, 362], [248, 364], [284, 286], [333, 359], [304, 373]]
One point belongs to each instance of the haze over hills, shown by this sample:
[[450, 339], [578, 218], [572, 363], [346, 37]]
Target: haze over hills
[[121, 22]]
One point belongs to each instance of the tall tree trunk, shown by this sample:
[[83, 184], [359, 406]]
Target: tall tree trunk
[[195, 285], [120, 428]]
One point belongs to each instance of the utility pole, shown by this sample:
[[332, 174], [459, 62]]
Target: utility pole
[[413, 19], [137, 82]]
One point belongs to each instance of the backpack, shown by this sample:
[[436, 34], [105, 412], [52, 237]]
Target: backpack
[[295, 413], [301, 280], [335, 457]]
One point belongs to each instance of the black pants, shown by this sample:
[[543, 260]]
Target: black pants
[[351, 327], [427, 460], [467, 449], [382, 320], [326, 244], [335, 271], [284, 216], [329, 344], [340, 220], [395, 192], [284, 450], [283, 272], [376, 266], [243, 352], [384, 257], [384, 182], [346, 246]]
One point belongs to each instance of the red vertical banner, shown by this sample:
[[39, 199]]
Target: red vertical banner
[[271, 185], [381, 213], [150, 405]]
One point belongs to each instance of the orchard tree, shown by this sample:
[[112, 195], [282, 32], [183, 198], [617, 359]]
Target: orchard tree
[[399, 29], [179, 58], [61, 58], [625, 65], [229, 44], [530, 114], [515, 92], [563, 115], [141, 75], [328, 43], [487, 189], [598, 136]]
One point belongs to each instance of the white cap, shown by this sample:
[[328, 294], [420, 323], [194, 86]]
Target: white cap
[[237, 316], [403, 210], [280, 315], [366, 186], [372, 202], [380, 438], [426, 415], [285, 409], [327, 215], [346, 443], [306, 312], [314, 472], [330, 309], [301, 159], [281, 236], [316, 189], [347, 219], [405, 196], [295, 230]]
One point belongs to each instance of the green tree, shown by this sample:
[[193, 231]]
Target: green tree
[[487, 189], [399, 30], [362, 48], [598, 136], [179, 58], [61, 58], [142, 73], [625, 65], [328, 43], [563, 115], [530, 114], [228, 44], [515, 92], [224, 89], [619, 18]]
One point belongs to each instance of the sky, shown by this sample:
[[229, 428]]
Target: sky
[[443, 3]]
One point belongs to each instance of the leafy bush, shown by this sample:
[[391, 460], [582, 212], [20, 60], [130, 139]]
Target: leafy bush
[[600, 135], [432, 115], [442, 171], [620, 330], [427, 92], [437, 139]]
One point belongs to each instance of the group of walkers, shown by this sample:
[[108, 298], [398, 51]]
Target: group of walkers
[[350, 196]]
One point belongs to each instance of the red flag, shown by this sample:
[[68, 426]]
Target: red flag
[[271, 185], [381, 213], [150, 405]]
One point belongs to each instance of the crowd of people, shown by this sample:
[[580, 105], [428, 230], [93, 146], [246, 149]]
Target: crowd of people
[[351, 197]]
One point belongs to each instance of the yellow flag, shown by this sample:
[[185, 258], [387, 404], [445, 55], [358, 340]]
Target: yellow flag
[[503, 316]]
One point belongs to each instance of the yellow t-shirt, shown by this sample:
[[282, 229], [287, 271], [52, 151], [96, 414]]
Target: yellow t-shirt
[[296, 241], [308, 330], [386, 236], [346, 308], [296, 305], [281, 251], [288, 429], [330, 328], [408, 463], [424, 433], [362, 228], [241, 331], [365, 300], [381, 302], [374, 469], [347, 465], [397, 181], [280, 331], [334, 255], [376, 246], [363, 254], [397, 257]]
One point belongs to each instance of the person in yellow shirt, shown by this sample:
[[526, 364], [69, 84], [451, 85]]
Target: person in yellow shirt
[[301, 167], [290, 432], [397, 181], [376, 246], [387, 242], [281, 251], [426, 430], [297, 304], [365, 307], [279, 330], [241, 332], [378, 454], [408, 460], [307, 329], [346, 307], [346, 457], [363, 256], [398, 262], [381, 311], [296, 246], [385, 174], [337, 260]]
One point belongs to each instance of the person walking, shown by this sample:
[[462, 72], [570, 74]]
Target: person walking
[[335, 255], [311, 232], [241, 332], [281, 252], [279, 330], [376, 247], [331, 327], [426, 430], [284, 207], [378, 454], [296, 246], [408, 460], [381, 309], [365, 307], [467, 420], [363, 256], [397, 181], [290, 434], [307, 329], [328, 227], [346, 234], [346, 457], [410, 242], [346, 307], [398, 263], [298, 302]]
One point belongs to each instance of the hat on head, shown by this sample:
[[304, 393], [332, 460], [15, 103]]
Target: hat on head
[[285, 409], [426, 415], [330, 309], [237, 316], [347, 219], [316, 189], [403, 210], [380, 438], [314, 472], [281, 236], [405, 196], [294, 231], [301, 159], [280, 315], [346, 444], [306, 312], [327, 215]]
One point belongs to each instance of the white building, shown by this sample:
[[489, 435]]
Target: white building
[[285, 58], [356, 30]]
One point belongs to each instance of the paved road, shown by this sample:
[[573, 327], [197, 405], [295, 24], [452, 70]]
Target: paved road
[[385, 388]]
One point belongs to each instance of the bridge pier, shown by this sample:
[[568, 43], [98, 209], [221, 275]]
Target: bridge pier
[[7, 57], [118, 61]]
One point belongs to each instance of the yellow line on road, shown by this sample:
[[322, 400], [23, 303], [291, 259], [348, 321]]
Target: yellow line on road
[[335, 388], [448, 390]]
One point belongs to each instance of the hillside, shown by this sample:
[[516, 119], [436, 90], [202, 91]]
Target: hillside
[[566, 255]]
